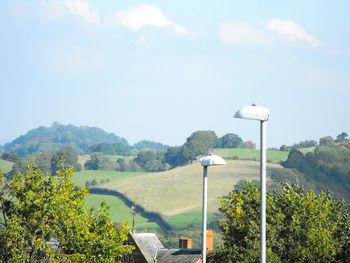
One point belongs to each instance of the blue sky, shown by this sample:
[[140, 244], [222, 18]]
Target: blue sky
[[160, 70]]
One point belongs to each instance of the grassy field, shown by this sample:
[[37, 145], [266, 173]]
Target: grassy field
[[119, 212], [251, 154], [80, 178], [5, 166], [177, 194]]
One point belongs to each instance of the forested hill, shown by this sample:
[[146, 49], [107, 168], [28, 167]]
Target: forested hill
[[57, 136]]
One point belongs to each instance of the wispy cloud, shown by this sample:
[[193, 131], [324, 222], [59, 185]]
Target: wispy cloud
[[82, 9], [291, 31], [240, 33], [144, 15]]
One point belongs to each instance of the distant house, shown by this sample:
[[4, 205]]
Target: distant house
[[149, 249]]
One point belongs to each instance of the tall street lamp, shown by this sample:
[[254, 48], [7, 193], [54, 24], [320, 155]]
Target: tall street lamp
[[254, 112], [206, 161]]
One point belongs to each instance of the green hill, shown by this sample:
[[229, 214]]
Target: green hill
[[251, 154], [176, 195], [50, 139], [5, 166]]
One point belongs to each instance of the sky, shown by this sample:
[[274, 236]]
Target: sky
[[160, 70]]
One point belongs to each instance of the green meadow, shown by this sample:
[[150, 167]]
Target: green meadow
[[119, 212], [177, 194], [251, 154], [5, 166], [81, 177]]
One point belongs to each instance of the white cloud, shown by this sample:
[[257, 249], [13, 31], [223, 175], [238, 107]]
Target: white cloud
[[291, 31], [82, 8], [240, 33], [144, 15]]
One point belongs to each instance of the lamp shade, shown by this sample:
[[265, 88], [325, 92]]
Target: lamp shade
[[253, 112], [211, 160]]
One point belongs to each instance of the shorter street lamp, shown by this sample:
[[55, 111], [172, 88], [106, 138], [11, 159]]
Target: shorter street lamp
[[254, 112], [206, 161]]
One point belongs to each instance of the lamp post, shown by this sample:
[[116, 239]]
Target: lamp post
[[206, 161], [254, 112]]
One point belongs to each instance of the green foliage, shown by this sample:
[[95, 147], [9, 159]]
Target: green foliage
[[151, 161], [99, 162], [145, 145], [341, 137], [229, 140], [173, 156], [9, 157], [327, 140], [37, 208], [58, 136], [64, 158], [5, 166], [327, 167], [301, 226], [121, 149], [199, 143]]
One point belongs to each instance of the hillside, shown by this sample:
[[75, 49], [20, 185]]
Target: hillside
[[5, 166], [57, 136], [177, 194]]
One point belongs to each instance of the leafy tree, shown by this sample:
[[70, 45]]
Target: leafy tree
[[111, 148], [125, 165], [327, 140], [248, 145], [145, 145], [66, 157], [342, 137], [38, 208], [304, 144], [199, 143], [151, 161], [301, 226], [9, 157], [229, 140], [99, 162], [327, 167], [173, 156]]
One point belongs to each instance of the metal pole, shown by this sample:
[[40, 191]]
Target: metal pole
[[204, 215], [263, 191]]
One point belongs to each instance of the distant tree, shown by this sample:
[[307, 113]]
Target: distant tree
[[9, 157], [99, 162], [199, 143], [111, 149], [342, 137], [37, 209], [145, 145], [301, 227], [66, 157], [151, 161], [229, 140], [284, 148], [304, 144], [125, 165], [327, 140], [248, 145], [173, 156]]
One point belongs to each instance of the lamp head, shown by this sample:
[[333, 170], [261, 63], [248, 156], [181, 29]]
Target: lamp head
[[253, 112], [212, 160]]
